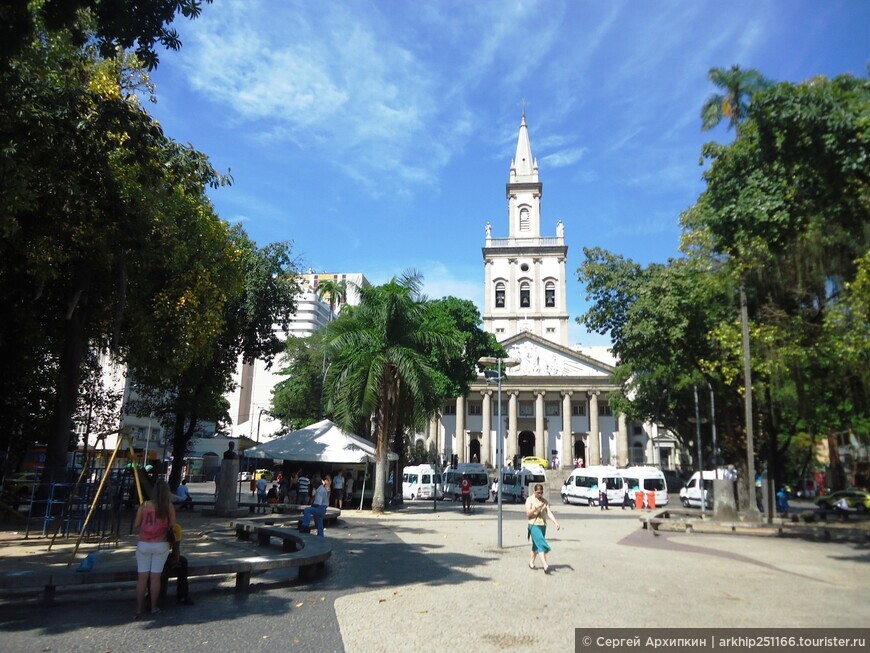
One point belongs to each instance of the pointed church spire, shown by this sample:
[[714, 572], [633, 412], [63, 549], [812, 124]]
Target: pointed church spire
[[524, 168]]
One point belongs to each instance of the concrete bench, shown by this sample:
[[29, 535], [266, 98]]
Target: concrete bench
[[311, 554]]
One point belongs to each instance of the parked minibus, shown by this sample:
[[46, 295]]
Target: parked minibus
[[476, 472], [517, 486], [421, 482], [690, 496], [646, 479], [584, 483]]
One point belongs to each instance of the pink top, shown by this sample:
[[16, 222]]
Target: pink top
[[152, 529]]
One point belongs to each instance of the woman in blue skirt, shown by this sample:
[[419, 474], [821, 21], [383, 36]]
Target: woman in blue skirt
[[538, 510]]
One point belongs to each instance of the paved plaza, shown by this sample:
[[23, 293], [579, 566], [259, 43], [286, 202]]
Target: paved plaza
[[416, 579]]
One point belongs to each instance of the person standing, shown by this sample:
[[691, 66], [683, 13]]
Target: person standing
[[317, 509], [348, 489], [262, 486], [230, 453], [465, 491], [538, 511], [153, 519], [338, 490], [303, 489]]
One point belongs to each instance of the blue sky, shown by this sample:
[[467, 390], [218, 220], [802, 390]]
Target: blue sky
[[377, 136]]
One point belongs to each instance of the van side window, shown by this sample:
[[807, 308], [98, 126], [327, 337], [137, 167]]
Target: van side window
[[653, 484]]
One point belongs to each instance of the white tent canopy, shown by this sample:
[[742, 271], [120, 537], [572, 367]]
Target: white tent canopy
[[322, 442]]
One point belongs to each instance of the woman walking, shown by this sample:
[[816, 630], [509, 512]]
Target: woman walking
[[538, 510], [154, 518]]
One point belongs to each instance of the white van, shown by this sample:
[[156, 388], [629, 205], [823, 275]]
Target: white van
[[519, 485], [690, 496], [582, 486], [476, 473], [421, 482], [411, 482], [646, 479]]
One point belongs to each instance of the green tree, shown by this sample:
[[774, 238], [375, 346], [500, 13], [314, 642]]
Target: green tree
[[296, 401], [378, 363], [787, 206], [185, 381], [115, 23]]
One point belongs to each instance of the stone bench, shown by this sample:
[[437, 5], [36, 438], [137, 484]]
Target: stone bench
[[308, 555]]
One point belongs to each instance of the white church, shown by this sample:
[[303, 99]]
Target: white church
[[555, 401]]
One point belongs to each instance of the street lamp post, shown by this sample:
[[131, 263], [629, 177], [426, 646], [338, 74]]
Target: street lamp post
[[259, 417], [499, 443]]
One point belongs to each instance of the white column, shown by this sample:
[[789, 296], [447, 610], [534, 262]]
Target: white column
[[461, 446], [563, 302], [512, 424], [540, 434], [486, 432], [622, 441], [567, 452], [593, 448], [513, 298]]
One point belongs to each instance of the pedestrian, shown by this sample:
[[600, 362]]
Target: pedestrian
[[153, 519], [230, 453], [272, 497], [175, 564], [217, 481], [317, 509], [292, 488], [185, 501], [262, 485], [465, 491], [303, 488], [538, 511], [602, 496], [338, 490], [348, 489], [626, 499]]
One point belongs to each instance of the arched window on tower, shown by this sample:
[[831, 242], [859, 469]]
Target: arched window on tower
[[499, 295], [525, 222], [525, 295], [550, 294]]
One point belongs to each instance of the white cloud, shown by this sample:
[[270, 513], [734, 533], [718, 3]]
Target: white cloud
[[564, 157]]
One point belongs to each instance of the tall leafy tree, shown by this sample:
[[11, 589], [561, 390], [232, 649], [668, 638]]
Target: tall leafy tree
[[296, 401], [115, 24], [378, 363], [787, 206]]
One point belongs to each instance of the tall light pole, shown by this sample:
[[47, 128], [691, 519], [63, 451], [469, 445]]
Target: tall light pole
[[499, 443], [259, 417]]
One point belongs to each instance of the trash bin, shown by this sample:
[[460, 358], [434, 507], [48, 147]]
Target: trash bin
[[651, 496], [638, 500]]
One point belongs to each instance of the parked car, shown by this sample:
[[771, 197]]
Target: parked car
[[857, 500], [21, 483], [535, 460], [263, 473], [244, 476]]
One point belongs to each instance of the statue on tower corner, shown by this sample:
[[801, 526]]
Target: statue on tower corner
[[488, 230], [560, 229]]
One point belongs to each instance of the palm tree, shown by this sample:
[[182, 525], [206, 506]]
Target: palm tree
[[335, 290], [378, 364], [739, 87]]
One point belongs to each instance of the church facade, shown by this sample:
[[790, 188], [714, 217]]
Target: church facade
[[555, 401]]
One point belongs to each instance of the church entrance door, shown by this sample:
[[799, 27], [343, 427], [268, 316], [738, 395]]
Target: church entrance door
[[474, 451], [526, 444]]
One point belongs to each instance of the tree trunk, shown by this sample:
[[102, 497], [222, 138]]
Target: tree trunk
[[68, 379], [381, 447]]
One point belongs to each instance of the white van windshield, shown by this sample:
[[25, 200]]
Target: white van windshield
[[478, 479], [535, 478]]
